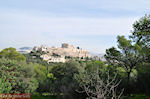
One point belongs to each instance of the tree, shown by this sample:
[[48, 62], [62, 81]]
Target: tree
[[141, 31], [34, 58], [94, 65], [141, 35], [11, 53], [42, 76], [96, 86], [128, 56], [18, 75], [143, 81], [28, 80], [64, 78], [5, 85], [40, 72], [46, 85]]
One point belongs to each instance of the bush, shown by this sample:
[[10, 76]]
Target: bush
[[139, 96]]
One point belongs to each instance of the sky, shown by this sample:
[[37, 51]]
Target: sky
[[89, 24]]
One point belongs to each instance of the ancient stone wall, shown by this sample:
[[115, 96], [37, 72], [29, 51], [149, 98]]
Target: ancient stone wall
[[65, 50]]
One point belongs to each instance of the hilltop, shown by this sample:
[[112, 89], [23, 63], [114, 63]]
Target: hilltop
[[60, 54]]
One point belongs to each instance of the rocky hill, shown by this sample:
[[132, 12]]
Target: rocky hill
[[59, 54]]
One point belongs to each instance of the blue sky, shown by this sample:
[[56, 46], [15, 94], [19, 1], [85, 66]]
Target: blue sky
[[90, 24]]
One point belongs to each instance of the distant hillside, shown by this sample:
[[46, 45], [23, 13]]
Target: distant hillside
[[98, 56], [61, 54], [26, 48]]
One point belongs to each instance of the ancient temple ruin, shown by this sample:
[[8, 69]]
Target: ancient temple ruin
[[59, 54]]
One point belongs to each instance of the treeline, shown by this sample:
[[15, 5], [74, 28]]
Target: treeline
[[125, 74], [133, 55]]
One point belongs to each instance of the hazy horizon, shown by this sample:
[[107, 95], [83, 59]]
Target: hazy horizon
[[91, 25]]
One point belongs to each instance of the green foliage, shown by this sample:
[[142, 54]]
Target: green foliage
[[50, 75], [128, 56], [92, 66], [143, 78], [64, 78], [43, 97], [139, 96], [112, 53], [130, 61], [123, 43], [11, 53], [16, 73], [141, 35], [132, 57], [34, 58], [96, 81], [141, 30], [40, 72], [5, 85]]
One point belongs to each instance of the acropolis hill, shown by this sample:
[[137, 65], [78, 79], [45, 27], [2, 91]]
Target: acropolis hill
[[53, 54]]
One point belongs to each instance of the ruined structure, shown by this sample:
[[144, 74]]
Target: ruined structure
[[53, 54]]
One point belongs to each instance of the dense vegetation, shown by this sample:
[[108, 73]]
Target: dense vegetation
[[125, 74]]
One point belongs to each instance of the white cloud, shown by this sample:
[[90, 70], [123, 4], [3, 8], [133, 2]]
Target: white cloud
[[63, 26], [129, 5], [28, 30], [29, 23]]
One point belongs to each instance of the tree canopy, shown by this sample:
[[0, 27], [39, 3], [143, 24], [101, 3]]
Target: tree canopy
[[11, 53]]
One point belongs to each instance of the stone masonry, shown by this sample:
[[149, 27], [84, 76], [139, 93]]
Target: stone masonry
[[53, 54]]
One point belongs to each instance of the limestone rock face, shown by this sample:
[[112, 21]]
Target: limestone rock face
[[49, 58], [54, 54]]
